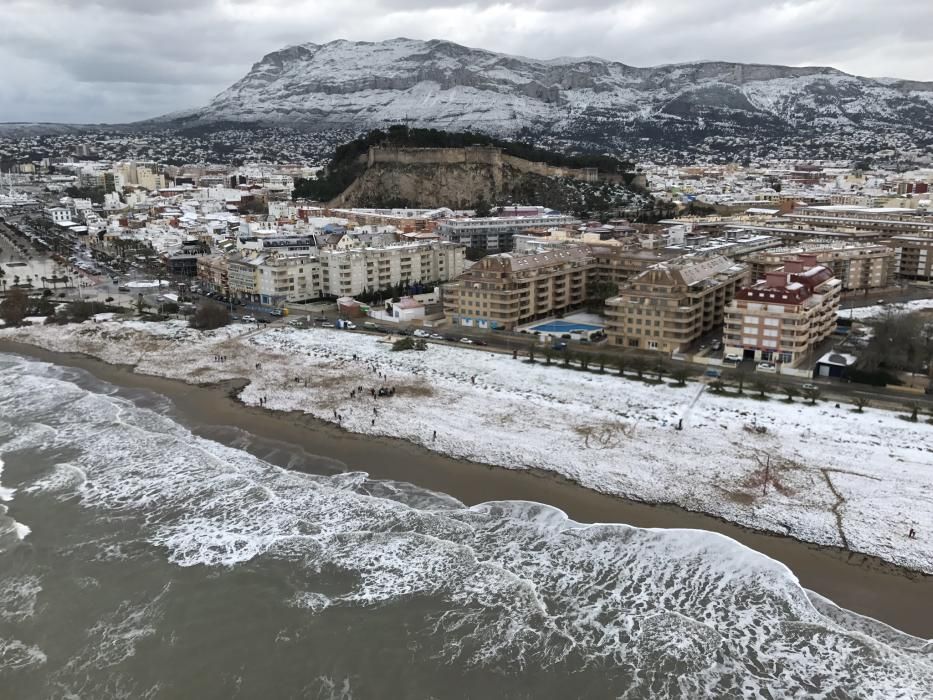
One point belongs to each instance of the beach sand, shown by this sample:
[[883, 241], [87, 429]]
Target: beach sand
[[861, 583]]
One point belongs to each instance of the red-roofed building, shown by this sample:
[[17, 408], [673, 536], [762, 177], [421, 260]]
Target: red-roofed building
[[783, 317]]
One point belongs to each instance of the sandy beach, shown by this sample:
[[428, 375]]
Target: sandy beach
[[861, 583]]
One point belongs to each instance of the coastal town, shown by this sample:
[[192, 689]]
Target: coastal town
[[451, 350], [754, 318]]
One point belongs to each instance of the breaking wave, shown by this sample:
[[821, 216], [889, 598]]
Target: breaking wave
[[656, 612]]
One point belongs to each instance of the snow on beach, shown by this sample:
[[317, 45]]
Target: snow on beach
[[835, 477], [881, 310]]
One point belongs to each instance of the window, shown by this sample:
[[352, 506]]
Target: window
[[652, 345]]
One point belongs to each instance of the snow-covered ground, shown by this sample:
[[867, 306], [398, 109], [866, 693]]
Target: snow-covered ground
[[881, 310], [834, 477]]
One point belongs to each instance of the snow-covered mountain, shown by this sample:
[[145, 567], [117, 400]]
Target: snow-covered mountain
[[703, 105]]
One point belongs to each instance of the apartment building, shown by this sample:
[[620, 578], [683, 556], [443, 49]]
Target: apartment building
[[212, 272], [494, 234], [283, 279], [350, 272], [859, 267], [785, 316], [241, 278], [878, 220], [504, 291], [669, 306], [913, 257]]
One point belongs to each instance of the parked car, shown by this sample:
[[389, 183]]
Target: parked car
[[560, 345], [421, 334], [716, 345], [123, 288], [483, 343], [249, 319], [295, 323], [732, 358], [809, 387], [262, 320], [767, 367], [466, 340], [276, 312], [436, 336], [714, 373]]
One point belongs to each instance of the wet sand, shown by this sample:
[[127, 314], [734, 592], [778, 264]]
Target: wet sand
[[858, 582]]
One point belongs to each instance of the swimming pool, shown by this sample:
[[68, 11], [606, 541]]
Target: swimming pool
[[565, 327]]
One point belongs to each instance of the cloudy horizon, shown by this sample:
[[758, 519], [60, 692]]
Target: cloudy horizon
[[86, 61]]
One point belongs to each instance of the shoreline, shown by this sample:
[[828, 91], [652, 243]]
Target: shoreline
[[861, 583]]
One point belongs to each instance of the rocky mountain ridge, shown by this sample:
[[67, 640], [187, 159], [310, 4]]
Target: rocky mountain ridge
[[586, 103]]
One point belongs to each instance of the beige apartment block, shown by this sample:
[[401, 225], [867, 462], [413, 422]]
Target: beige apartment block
[[282, 279], [913, 257], [858, 267], [784, 317], [671, 305], [506, 290], [351, 272]]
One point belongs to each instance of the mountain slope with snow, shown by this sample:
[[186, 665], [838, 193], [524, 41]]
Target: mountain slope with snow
[[590, 101]]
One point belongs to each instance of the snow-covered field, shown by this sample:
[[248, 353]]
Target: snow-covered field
[[881, 310], [834, 477]]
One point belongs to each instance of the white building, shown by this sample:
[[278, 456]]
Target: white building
[[351, 272]]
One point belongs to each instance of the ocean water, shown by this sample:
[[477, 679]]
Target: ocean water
[[138, 560]]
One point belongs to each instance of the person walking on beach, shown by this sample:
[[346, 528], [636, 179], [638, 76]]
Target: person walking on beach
[[434, 436]]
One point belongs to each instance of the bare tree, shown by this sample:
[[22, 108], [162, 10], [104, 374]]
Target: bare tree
[[762, 386], [209, 316], [621, 361], [789, 391], [718, 385], [548, 355], [860, 403], [812, 393], [680, 375], [531, 352], [638, 364], [14, 307]]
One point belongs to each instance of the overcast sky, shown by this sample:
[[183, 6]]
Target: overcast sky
[[123, 60]]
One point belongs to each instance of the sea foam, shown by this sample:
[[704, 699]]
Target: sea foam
[[522, 585]]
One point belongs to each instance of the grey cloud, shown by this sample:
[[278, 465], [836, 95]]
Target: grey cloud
[[117, 60]]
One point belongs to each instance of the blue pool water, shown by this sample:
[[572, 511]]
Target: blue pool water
[[565, 327]]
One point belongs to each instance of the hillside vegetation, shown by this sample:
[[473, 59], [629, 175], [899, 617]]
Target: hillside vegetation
[[349, 181]]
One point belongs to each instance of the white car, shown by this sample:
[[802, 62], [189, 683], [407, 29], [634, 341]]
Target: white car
[[421, 334], [810, 387], [436, 336], [732, 358], [767, 367], [466, 340], [248, 319]]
